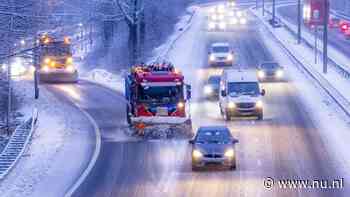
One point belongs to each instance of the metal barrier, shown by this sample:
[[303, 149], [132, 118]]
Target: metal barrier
[[17, 144]]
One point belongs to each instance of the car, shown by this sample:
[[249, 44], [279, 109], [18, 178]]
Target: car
[[213, 145], [220, 54], [270, 71], [231, 3], [240, 94], [212, 87]]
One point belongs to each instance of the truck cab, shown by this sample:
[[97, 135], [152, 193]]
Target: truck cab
[[54, 59], [240, 94], [156, 94]]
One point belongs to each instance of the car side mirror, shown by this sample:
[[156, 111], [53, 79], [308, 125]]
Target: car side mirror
[[191, 141], [263, 92], [223, 93], [188, 92], [235, 141]]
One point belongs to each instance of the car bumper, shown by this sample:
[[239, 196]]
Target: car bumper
[[219, 161], [221, 63], [244, 111]]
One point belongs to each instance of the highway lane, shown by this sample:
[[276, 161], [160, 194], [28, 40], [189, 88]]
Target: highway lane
[[336, 38], [284, 145]]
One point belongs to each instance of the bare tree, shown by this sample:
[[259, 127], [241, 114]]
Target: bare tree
[[133, 12]]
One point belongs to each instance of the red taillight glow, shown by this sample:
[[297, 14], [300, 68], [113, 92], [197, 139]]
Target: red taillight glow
[[344, 27]]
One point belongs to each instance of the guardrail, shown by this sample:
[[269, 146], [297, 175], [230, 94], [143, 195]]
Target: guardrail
[[343, 70], [17, 145], [342, 102]]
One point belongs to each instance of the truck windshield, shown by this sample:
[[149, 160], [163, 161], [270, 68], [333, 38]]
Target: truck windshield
[[163, 94], [57, 49], [243, 88]]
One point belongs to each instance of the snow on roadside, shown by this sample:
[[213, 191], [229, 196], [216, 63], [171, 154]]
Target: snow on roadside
[[336, 55], [306, 55], [47, 141], [320, 106], [116, 81]]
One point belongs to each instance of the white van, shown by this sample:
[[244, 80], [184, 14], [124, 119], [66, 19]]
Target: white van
[[240, 94]]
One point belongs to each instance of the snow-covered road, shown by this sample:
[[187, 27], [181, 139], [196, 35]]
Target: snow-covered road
[[295, 140], [291, 142]]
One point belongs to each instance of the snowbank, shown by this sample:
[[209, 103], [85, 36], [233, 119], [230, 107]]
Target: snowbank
[[321, 107]]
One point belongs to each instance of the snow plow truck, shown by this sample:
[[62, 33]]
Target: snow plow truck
[[157, 98], [54, 61]]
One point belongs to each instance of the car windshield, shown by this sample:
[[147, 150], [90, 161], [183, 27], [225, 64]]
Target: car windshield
[[214, 80], [269, 66], [163, 94], [221, 49], [243, 88], [213, 136]]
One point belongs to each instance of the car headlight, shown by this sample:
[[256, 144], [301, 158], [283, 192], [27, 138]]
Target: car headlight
[[279, 73], [222, 25], [259, 104], [243, 21], [230, 57], [212, 57], [261, 74], [231, 105], [208, 90], [46, 69], [197, 154], [180, 105], [239, 14], [230, 153], [211, 25], [234, 21]]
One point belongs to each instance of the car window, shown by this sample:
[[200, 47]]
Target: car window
[[214, 80], [243, 88], [269, 65], [221, 49], [213, 136]]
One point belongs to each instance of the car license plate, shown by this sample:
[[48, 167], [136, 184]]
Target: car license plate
[[162, 111]]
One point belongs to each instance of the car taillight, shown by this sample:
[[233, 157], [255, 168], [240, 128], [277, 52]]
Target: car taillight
[[344, 27]]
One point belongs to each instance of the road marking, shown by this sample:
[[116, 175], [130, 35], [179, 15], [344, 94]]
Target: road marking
[[92, 162]]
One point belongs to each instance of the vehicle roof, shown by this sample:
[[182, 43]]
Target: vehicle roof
[[274, 63], [233, 75], [220, 44], [212, 128]]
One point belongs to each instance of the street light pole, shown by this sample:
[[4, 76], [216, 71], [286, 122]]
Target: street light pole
[[325, 36], [273, 11], [263, 7], [299, 21]]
